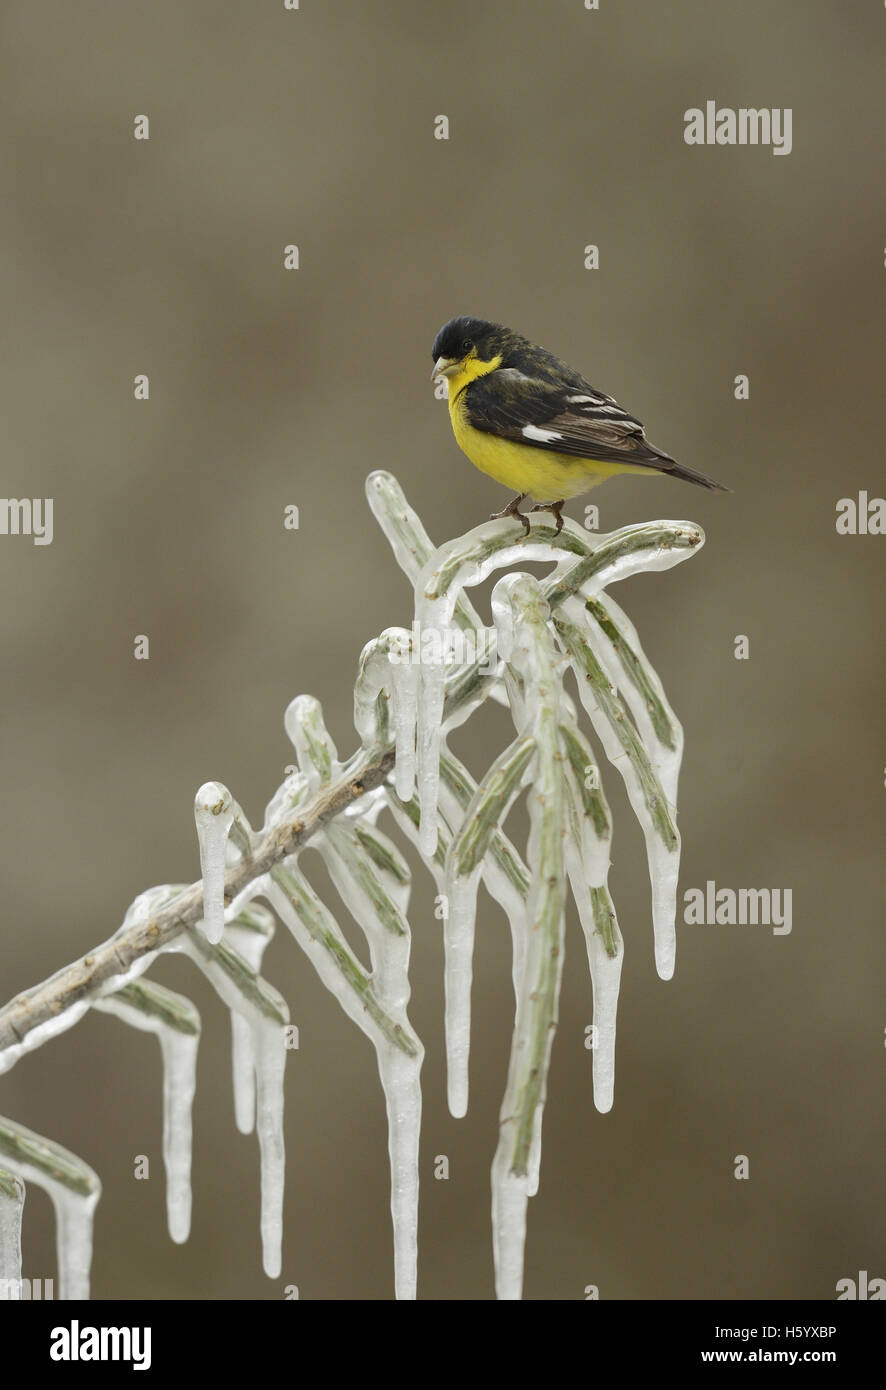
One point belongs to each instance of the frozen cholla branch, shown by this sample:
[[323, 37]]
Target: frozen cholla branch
[[406, 704], [12, 1201], [74, 1190]]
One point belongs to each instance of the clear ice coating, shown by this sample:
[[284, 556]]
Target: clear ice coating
[[488, 807], [267, 1016], [74, 1190], [407, 703], [640, 736], [12, 1201], [249, 929], [649, 800], [373, 881], [214, 816], [176, 1024]]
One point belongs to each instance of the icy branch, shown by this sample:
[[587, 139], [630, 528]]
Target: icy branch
[[414, 687], [47, 1006]]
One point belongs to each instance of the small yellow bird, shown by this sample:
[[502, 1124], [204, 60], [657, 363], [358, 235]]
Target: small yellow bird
[[529, 421]]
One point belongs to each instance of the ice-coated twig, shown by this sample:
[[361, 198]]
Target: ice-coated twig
[[505, 875], [410, 694], [625, 750], [587, 865], [376, 1001], [522, 618], [266, 1014], [463, 563], [487, 810], [74, 1190], [175, 1022], [321, 938], [407, 536], [315, 750], [649, 545], [36, 1015], [386, 929], [12, 1202], [637, 672], [249, 932], [470, 559], [373, 881], [214, 816], [385, 698]]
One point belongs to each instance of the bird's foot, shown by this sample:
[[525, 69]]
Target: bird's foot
[[554, 507], [513, 509]]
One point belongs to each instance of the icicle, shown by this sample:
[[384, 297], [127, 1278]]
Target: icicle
[[179, 1086], [373, 895], [249, 933], [587, 862], [510, 1199], [405, 697], [74, 1190], [12, 1201], [213, 813], [267, 1015], [385, 696], [605, 957], [625, 751], [488, 809], [400, 1078], [176, 1024], [504, 873], [516, 601], [377, 1004], [73, 1215], [270, 1061], [458, 937]]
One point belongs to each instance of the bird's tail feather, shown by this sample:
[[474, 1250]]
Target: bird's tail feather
[[689, 475]]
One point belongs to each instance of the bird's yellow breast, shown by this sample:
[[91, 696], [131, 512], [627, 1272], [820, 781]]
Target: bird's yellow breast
[[540, 473]]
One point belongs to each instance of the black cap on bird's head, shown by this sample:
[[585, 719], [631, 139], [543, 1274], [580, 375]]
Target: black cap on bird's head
[[467, 337]]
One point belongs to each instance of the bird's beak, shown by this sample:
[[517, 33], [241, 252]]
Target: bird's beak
[[444, 366]]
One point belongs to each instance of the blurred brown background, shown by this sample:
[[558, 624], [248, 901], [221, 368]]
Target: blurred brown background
[[268, 388]]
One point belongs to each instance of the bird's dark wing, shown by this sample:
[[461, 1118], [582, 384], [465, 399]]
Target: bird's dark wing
[[567, 418]]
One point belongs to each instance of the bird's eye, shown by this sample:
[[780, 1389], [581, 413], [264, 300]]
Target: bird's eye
[[467, 345]]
